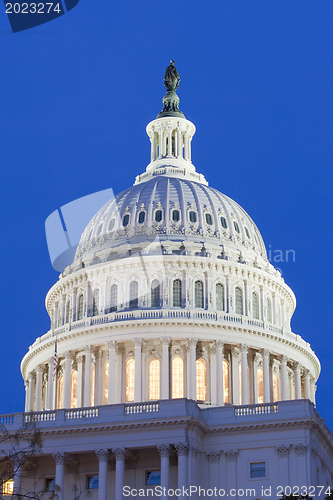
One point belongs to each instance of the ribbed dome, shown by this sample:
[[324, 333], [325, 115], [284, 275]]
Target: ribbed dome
[[174, 208]]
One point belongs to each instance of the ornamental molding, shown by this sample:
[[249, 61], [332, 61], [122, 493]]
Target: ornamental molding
[[213, 456], [59, 458], [182, 449], [164, 450], [231, 455], [103, 455], [119, 453], [283, 451], [300, 449]]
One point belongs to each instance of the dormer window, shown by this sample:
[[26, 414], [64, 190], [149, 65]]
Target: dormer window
[[223, 222], [99, 229], [192, 216], [158, 215], [111, 224], [236, 226], [126, 220], [141, 218], [175, 215], [247, 232], [209, 219]]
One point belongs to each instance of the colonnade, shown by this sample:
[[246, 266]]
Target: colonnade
[[208, 371]]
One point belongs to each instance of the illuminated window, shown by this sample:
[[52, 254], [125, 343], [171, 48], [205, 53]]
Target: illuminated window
[[223, 222], [255, 305], [219, 297], [134, 300], [260, 388], [8, 487], [239, 300], [74, 389], [106, 382], [177, 377], [177, 293], [130, 374], [269, 310], [92, 394], [126, 220], [158, 215], [111, 224], [236, 226], [192, 216], [60, 390], [95, 308], [154, 379], [141, 218], [226, 385], [80, 307], [155, 294], [276, 387], [199, 294], [67, 309], [175, 215], [201, 377], [209, 219], [114, 298]]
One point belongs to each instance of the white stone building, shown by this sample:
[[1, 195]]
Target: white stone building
[[177, 365]]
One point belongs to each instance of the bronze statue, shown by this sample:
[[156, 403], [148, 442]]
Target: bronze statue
[[171, 77]]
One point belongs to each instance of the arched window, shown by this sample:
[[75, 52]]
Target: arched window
[[201, 378], [260, 388], [158, 215], [95, 308], [155, 294], [247, 232], [223, 222], [154, 379], [192, 216], [126, 220], [106, 383], [199, 294], [134, 300], [209, 219], [255, 305], [114, 298], [177, 293], [129, 376], [142, 216], [175, 215], [219, 297], [111, 224], [74, 389], [67, 311], [80, 307], [276, 387], [177, 371], [60, 391], [226, 384], [269, 310], [236, 226], [239, 300], [99, 229], [92, 395]]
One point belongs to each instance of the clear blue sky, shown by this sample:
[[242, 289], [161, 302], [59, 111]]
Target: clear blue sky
[[77, 93]]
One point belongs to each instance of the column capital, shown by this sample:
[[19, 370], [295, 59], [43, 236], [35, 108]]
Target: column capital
[[284, 359], [59, 458], [68, 355], [119, 453], [165, 341], [79, 358], [50, 361], [297, 365], [88, 349], [164, 450], [235, 352], [266, 353], [212, 347], [103, 455], [213, 456], [231, 454], [244, 348], [192, 342], [283, 451], [39, 368], [257, 358], [306, 372], [182, 449], [138, 342], [300, 449], [112, 344], [219, 343]]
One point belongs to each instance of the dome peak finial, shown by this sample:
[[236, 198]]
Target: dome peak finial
[[171, 99]]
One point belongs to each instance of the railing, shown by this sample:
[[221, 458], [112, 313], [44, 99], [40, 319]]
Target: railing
[[6, 419], [259, 409], [81, 413], [40, 416], [135, 408]]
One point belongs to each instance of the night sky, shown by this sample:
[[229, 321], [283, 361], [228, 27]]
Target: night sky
[[78, 92]]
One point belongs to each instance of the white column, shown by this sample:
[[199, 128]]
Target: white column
[[274, 308], [246, 299], [112, 372], [284, 378], [235, 375], [186, 146], [213, 460], [79, 361], [103, 456], [66, 400], [39, 380], [261, 304], [245, 387], [49, 396], [193, 368], [87, 377], [298, 386], [266, 376], [138, 370], [179, 143], [231, 466], [120, 472], [59, 477], [31, 381], [213, 389], [27, 395], [307, 386], [182, 450], [164, 451], [257, 362], [98, 382], [165, 376], [313, 390], [219, 372]]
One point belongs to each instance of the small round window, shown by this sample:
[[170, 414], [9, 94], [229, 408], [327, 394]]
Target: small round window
[[193, 216], [175, 215], [158, 215], [209, 219], [236, 226], [247, 232], [142, 216], [99, 229], [223, 222], [111, 224], [126, 220]]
